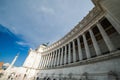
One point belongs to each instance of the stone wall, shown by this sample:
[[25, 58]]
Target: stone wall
[[95, 71]]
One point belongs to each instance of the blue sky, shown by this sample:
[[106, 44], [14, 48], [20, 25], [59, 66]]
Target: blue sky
[[29, 23], [9, 47]]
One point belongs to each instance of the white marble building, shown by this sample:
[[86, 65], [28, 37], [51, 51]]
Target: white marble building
[[90, 51]]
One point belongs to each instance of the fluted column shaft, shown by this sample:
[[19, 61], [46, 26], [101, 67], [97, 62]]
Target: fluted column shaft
[[43, 58], [58, 61], [61, 60], [95, 44], [55, 58], [40, 62], [86, 47], [69, 57], [52, 59], [45, 61], [74, 52], [48, 60], [65, 54], [106, 38], [79, 49]]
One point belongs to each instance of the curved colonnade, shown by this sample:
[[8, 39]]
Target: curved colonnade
[[84, 46], [92, 44]]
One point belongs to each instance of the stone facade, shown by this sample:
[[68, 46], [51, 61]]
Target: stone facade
[[90, 51]]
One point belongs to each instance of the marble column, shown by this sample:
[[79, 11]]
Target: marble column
[[40, 62], [43, 61], [86, 47], [41, 65], [106, 38], [74, 51], [69, 53], [55, 58], [65, 54], [48, 60], [58, 61], [95, 44], [114, 22], [52, 59], [79, 49], [61, 60]]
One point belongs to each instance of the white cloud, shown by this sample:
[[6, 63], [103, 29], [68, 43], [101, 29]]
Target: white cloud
[[22, 43], [47, 10], [32, 20], [13, 29]]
